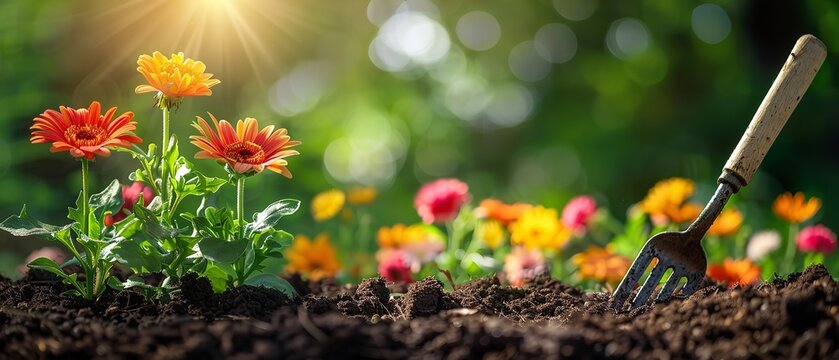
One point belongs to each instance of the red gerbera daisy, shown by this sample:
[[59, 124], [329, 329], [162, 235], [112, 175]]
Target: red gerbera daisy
[[84, 132], [246, 149]]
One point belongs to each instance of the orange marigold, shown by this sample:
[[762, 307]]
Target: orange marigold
[[246, 149], [795, 209], [734, 272], [84, 132], [666, 200], [499, 211], [315, 259], [175, 77], [601, 264], [728, 223]]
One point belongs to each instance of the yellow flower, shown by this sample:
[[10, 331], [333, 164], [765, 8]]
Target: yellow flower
[[313, 259], [539, 227], [174, 78], [666, 200], [794, 209], [601, 264], [362, 195], [491, 234], [399, 235], [327, 204], [728, 223]]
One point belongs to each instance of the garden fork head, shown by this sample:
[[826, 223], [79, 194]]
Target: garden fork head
[[682, 251]]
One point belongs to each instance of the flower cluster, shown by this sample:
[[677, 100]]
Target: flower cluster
[[142, 225]]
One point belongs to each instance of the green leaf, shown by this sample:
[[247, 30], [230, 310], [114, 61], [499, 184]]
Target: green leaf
[[272, 214], [222, 251], [151, 226], [272, 281], [219, 278], [138, 257], [48, 265], [25, 225], [109, 199]]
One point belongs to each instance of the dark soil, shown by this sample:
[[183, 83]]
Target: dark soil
[[793, 318]]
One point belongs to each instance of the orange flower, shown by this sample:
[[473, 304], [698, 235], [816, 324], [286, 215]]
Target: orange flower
[[794, 209], [84, 132], [728, 223], [666, 201], [686, 213], [499, 211], [314, 258], [246, 149], [174, 77], [601, 264], [733, 272]]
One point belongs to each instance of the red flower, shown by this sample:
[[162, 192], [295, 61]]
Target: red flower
[[130, 195], [84, 132], [440, 201], [816, 238], [578, 213], [393, 266]]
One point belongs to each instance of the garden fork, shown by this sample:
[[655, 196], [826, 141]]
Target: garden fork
[[682, 251]]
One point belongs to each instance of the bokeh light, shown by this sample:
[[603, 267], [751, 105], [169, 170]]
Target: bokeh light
[[478, 30], [627, 37], [710, 23], [556, 43], [527, 64]]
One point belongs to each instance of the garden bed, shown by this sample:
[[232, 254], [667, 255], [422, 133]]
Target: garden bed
[[797, 317]]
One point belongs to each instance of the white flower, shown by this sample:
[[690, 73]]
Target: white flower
[[762, 243]]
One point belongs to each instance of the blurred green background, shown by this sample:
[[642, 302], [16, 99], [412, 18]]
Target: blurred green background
[[531, 101]]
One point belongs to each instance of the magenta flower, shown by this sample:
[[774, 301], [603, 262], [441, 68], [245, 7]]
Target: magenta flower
[[578, 213], [440, 201], [130, 195], [816, 238], [393, 266]]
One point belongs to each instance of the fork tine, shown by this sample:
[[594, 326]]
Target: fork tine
[[649, 285], [669, 286], [631, 278], [694, 282]]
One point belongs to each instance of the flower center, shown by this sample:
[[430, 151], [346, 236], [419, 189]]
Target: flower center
[[86, 135], [245, 152]]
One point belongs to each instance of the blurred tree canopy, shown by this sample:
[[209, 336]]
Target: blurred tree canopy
[[527, 101]]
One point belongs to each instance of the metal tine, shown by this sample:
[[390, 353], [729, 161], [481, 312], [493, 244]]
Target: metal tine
[[694, 282], [669, 286], [631, 278], [649, 285]]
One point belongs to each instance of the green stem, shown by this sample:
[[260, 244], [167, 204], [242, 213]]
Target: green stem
[[240, 204], [789, 257], [164, 167], [85, 200], [239, 266]]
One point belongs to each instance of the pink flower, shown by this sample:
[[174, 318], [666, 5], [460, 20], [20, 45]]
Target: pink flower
[[816, 238], [50, 252], [393, 266], [578, 213], [440, 201], [130, 195], [523, 263]]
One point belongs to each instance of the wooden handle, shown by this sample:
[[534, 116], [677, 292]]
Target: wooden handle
[[793, 80]]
